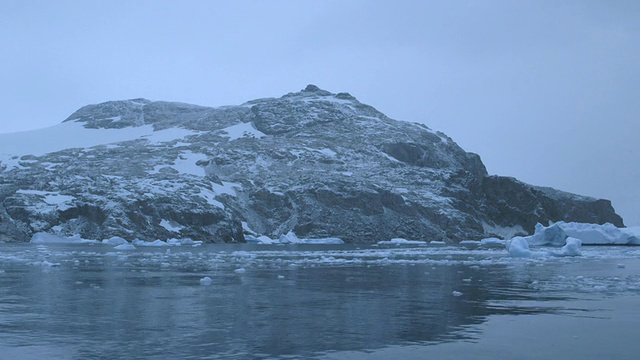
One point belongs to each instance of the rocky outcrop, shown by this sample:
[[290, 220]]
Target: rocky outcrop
[[317, 163]]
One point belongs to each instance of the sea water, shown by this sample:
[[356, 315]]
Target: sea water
[[309, 301]]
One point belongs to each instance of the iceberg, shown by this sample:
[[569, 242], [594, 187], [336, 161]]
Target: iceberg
[[289, 238], [157, 243], [590, 234], [401, 241], [552, 235], [190, 241], [493, 242], [125, 246], [45, 238], [323, 241], [607, 234], [115, 240], [518, 247], [292, 238], [571, 248]]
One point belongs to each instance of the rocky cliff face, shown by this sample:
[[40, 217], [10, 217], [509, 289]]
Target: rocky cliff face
[[317, 163]]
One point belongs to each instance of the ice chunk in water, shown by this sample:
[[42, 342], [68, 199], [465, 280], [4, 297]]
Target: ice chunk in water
[[553, 235], [125, 246], [44, 238], [518, 247], [206, 281], [157, 243], [400, 241], [571, 248], [114, 240]]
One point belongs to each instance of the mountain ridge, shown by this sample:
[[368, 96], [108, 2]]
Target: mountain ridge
[[318, 163]]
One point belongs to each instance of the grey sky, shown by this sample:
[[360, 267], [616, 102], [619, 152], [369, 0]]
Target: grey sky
[[546, 91]]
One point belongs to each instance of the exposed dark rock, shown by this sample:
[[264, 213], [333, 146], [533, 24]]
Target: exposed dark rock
[[321, 164]]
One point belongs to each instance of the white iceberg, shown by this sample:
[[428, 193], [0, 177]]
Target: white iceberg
[[607, 234], [45, 238], [292, 238], [552, 235], [493, 242], [289, 238], [518, 247], [401, 241], [469, 243], [571, 248], [157, 243], [323, 241], [115, 240], [174, 242], [125, 246], [590, 234]]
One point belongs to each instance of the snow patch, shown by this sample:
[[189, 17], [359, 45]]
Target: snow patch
[[505, 232], [228, 188], [73, 134], [210, 197], [241, 130], [61, 202], [171, 226], [186, 162]]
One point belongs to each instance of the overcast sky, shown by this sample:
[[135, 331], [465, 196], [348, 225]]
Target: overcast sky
[[546, 91]]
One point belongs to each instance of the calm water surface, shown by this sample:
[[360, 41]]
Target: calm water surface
[[324, 302]]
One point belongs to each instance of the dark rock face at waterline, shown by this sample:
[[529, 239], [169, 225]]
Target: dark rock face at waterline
[[317, 163]]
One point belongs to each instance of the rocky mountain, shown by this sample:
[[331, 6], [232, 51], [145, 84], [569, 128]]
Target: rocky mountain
[[317, 163]]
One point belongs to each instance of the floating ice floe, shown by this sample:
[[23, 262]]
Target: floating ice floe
[[518, 247], [469, 243], [289, 238], [115, 240], [169, 242], [571, 236], [493, 242], [571, 248], [259, 240], [589, 234], [157, 243], [323, 241], [607, 234], [44, 238], [400, 241], [206, 281], [292, 238], [125, 246]]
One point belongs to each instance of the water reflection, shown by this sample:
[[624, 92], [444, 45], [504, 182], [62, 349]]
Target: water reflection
[[98, 305]]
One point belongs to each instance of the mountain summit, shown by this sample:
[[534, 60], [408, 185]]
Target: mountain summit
[[313, 162]]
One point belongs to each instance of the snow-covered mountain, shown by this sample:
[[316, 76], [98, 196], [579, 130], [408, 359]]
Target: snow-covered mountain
[[317, 163]]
